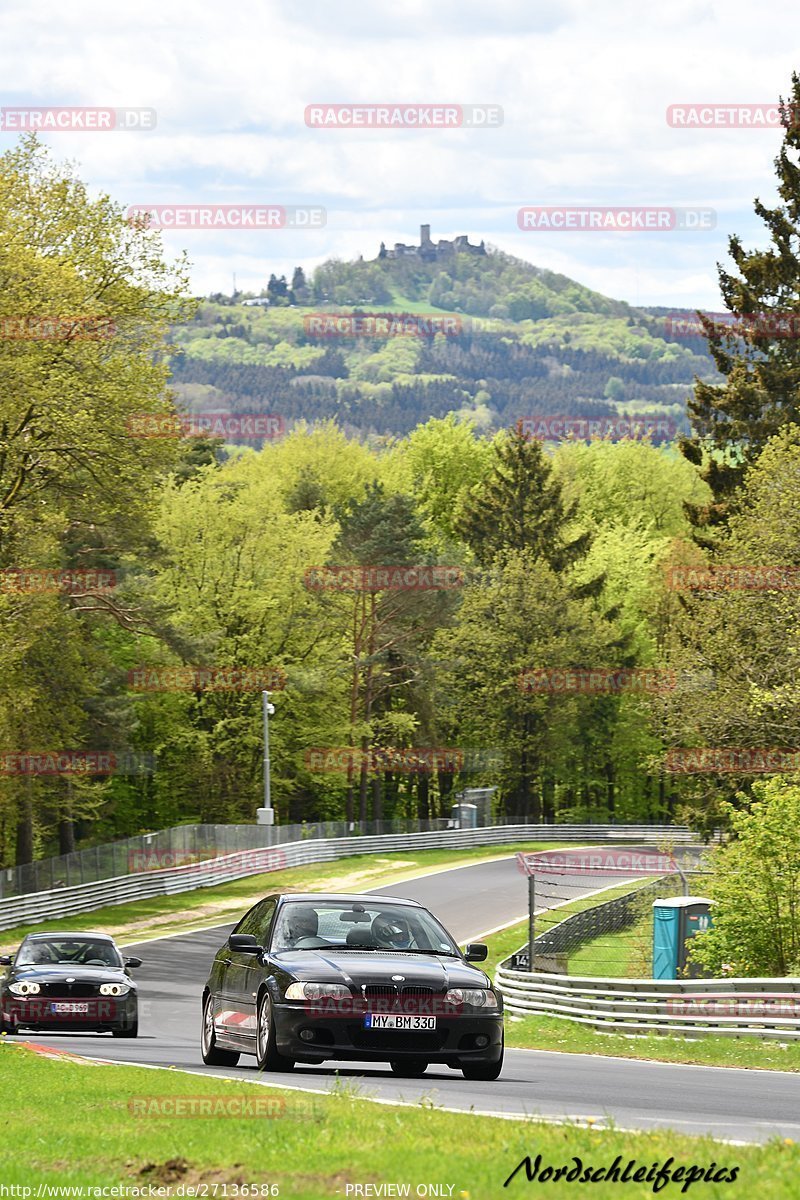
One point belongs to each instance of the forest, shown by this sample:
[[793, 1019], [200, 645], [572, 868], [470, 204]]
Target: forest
[[434, 598]]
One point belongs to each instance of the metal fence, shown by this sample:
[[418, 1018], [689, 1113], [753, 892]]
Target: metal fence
[[270, 854], [184, 844], [766, 1008], [612, 916]]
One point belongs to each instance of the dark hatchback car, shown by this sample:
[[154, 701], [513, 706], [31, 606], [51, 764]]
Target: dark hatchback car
[[306, 978], [71, 982]]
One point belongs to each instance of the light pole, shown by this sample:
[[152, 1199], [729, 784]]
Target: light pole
[[266, 815]]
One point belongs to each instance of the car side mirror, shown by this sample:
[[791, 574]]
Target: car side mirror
[[244, 943], [133, 962], [476, 951], [5, 960]]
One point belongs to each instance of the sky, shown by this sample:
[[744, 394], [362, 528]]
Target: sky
[[583, 85]]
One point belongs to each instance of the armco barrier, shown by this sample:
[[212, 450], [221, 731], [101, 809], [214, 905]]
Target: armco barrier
[[766, 1008], [59, 902]]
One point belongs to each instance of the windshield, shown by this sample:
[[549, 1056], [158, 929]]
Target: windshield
[[304, 925], [86, 952]]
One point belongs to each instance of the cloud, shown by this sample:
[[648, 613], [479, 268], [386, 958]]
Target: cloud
[[584, 89]]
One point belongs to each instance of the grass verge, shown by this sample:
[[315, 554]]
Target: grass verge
[[226, 902], [115, 1126], [556, 1033]]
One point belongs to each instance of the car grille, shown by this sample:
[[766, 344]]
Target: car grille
[[69, 989], [382, 990]]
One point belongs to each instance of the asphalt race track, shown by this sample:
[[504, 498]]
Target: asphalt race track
[[470, 901]]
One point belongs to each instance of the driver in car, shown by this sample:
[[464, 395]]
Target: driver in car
[[392, 932], [301, 922]]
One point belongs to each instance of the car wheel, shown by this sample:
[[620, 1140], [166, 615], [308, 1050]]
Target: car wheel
[[484, 1070], [213, 1057], [409, 1068], [127, 1031], [267, 1056]]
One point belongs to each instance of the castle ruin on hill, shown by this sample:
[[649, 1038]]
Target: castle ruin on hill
[[428, 250]]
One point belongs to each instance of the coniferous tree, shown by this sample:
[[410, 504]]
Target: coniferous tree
[[520, 507], [759, 355]]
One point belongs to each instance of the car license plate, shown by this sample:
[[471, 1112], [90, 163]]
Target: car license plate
[[70, 1008], [397, 1021]]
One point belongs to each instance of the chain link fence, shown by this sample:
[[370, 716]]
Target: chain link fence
[[593, 936]]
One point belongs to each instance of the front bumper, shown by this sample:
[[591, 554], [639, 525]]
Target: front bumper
[[37, 1012], [473, 1038]]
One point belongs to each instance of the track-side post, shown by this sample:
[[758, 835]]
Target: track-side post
[[531, 919]]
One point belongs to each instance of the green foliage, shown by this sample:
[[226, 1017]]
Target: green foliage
[[755, 886]]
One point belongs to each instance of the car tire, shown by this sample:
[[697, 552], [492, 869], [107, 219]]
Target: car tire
[[212, 1056], [127, 1031], [484, 1070], [409, 1068], [267, 1056]]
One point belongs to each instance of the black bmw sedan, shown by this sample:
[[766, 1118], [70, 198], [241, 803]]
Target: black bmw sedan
[[73, 982], [307, 978]]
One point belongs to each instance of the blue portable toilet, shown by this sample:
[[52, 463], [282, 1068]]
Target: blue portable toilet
[[675, 923]]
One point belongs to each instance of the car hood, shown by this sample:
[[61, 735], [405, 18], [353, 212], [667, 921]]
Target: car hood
[[357, 967], [56, 973]]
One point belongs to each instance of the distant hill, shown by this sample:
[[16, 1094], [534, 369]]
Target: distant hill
[[432, 328]]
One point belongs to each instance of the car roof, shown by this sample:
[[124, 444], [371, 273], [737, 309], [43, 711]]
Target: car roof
[[356, 897], [70, 937]]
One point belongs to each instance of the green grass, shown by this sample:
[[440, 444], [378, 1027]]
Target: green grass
[[71, 1125], [627, 954], [539, 1032], [168, 914], [554, 1033]]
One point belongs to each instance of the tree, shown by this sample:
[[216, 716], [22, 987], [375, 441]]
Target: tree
[[94, 300], [444, 460], [519, 507], [733, 421], [522, 617], [741, 636], [755, 885]]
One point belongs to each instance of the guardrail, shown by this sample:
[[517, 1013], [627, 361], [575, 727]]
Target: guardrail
[[183, 844], [65, 901], [766, 1008]]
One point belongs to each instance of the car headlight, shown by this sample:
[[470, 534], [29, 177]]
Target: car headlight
[[24, 989], [317, 991], [114, 989], [474, 997]]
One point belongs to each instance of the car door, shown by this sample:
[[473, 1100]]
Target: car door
[[244, 973]]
